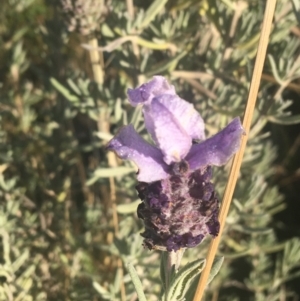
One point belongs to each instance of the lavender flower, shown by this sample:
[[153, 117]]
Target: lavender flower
[[179, 203], [82, 15]]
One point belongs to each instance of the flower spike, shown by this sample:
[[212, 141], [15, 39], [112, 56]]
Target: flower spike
[[179, 204]]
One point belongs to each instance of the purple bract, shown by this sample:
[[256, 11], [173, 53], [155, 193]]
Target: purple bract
[[179, 205]]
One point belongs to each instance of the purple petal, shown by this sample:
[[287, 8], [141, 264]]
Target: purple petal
[[184, 113], [149, 159], [166, 131], [145, 93], [160, 90], [218, 149]]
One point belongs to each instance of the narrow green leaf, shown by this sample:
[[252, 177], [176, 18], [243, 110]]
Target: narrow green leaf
[[73, 86], [26, 284], [109, 172], [118, 279], [106, 31], [102, 291], [162, 270], [285, 120], [63, 90], [27, 273], [151, 13], [167, 65], [6, 247], [118, 110], [215, 268], [136, 282], [20, 261], [128, 208], [291, 255], [183, 279], [155, 46], [250, 43], [274, 68]]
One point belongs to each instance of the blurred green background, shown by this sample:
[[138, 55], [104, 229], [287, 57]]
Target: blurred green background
[[67, 219]]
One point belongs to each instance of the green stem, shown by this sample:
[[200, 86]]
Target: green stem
[[172, 266], [136, 282]]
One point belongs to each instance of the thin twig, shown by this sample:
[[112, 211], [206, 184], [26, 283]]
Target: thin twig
[[95, 57], [201, 88], [103, 126], [271, 79], [237, 161]]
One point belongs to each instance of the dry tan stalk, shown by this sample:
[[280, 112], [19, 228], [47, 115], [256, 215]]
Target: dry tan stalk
[[103, 126], [237, 161], [95, 61], [290, 86], [201, 88]]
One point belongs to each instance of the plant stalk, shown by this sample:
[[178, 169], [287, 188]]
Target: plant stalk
[[237, 161], [172, 266], [103, 126]]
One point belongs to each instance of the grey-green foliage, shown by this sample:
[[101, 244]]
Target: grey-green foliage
[[181, 281], [58, 239], [17, 266]]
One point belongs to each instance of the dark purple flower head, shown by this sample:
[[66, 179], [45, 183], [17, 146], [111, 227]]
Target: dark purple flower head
[[179, 206]]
